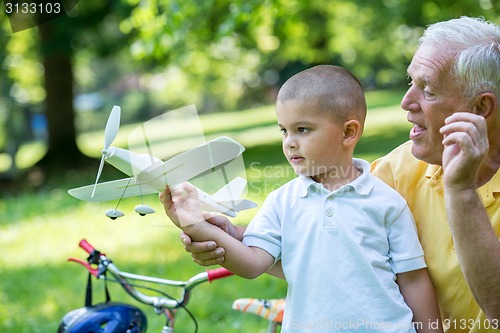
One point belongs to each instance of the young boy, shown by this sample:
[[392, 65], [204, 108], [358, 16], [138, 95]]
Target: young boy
[[347, 242]]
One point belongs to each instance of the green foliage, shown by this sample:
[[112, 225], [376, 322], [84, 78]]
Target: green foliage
[[219, 54], [223, 55], [23, 68]]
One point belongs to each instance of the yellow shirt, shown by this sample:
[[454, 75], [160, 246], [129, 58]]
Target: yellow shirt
[[421, 185]]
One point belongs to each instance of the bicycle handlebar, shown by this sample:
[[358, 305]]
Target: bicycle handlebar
[[218, 273], [105, 264], [86, 246]]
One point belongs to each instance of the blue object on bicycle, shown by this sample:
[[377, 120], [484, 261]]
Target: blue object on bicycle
[[104, 318]]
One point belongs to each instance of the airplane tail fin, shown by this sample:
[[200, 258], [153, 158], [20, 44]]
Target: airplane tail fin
[[234, 189], [230, 195]]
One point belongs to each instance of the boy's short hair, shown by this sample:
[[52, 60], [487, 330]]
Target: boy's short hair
[[334, 89]]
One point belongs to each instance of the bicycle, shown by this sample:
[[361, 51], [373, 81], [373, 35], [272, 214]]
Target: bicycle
[[111, 316]]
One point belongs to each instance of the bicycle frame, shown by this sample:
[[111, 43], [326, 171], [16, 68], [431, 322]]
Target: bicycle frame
[[97, 264]]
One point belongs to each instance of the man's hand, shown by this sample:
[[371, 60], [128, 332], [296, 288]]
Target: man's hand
[[465, 146], [203, 253], [207, 253]]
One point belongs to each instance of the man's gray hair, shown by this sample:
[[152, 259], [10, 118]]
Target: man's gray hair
[[476, 44]]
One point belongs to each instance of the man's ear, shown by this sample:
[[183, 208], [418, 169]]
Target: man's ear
[[352, 132], [485, 104]]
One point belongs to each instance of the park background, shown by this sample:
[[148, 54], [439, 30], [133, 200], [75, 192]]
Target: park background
[[59, 81]]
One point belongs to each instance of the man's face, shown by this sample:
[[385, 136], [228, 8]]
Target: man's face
[[432, 97]]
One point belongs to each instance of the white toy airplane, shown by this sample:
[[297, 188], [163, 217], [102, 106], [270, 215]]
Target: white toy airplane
[[150, 174]]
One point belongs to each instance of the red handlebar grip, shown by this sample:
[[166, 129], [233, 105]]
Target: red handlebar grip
[[218, 273], [86, 246]]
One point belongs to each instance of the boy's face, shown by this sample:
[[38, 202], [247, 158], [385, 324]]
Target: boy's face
[[312, 140]]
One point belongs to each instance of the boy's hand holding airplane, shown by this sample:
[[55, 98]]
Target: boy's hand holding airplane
[[182, 205]]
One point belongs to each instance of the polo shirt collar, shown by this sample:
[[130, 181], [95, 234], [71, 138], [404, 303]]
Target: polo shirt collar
[[433, 171], [362, 185], [486, 191], [495, 182], [307, 183]]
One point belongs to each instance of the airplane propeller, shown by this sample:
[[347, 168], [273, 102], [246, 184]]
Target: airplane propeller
[[110, 133]]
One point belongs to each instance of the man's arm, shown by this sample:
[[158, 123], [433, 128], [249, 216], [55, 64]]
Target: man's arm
[[477, 247], [476, 244], [418, 292], [208, 253], [184, 209]]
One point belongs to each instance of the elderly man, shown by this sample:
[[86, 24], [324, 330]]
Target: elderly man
[[448, 172]]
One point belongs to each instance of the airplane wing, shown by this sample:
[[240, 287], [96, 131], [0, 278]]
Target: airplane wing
[[192, 163], [112, 190]]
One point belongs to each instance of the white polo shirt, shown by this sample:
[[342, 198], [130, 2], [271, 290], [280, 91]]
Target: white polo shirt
[[340, 252]]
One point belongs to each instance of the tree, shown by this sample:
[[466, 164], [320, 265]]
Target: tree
[[374, 39], [55, 51], [57, 56], [224, 54], [57, 41]]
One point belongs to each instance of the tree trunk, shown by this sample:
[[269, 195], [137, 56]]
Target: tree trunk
[[57, 54]]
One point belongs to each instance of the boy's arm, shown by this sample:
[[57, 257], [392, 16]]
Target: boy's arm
[[242, 260], [277, 270], [184, 209], [418, 292], [208, 253]]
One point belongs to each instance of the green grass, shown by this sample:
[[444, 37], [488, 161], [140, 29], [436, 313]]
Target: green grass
[[39, 231]]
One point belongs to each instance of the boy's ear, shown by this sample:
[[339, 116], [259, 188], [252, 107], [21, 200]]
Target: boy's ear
[[352, 132]]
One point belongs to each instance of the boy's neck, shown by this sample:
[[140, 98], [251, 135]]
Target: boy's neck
[[338, 177]]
